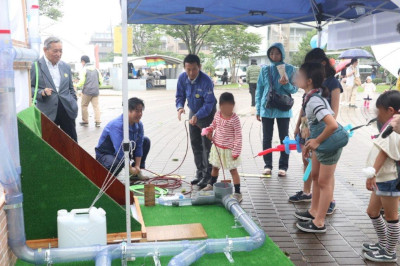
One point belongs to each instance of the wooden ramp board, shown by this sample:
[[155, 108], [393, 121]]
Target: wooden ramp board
[[111, 239], [79, 158], [175, 232]]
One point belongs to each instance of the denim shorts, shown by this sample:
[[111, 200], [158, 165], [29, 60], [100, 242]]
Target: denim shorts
[[329, 158], [388, 188]]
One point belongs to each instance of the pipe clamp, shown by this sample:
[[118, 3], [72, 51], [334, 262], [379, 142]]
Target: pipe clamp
[[13, 206]]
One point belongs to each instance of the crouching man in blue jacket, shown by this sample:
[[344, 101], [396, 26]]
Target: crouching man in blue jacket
[[109, 150]]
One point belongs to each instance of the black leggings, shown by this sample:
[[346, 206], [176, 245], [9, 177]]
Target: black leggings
[[268, 132]]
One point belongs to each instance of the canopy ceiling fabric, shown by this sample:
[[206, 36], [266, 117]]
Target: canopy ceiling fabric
[[254, 12]]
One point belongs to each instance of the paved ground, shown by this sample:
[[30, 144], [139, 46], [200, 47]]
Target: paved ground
[[265, 198]]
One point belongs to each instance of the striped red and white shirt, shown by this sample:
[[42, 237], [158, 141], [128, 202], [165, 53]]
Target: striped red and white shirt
[[227, 133]]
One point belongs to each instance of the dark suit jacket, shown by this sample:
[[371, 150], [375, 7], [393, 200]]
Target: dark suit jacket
[[66, 94]]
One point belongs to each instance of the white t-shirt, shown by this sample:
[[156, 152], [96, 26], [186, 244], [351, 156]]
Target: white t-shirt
[[350, 80], [369, 88], [391, 146]]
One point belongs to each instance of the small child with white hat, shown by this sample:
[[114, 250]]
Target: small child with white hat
[[369, 89]]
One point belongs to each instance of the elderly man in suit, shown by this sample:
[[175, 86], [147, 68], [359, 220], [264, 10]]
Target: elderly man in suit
[[56, 96]]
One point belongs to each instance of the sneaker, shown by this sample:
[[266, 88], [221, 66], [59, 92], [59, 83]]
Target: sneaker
[[84, 123], [332, 208], [380, 256], [300, 197], [97, 124], [371, 247], [238, 197], [310, 227], [304, 216], [282, 173], [207, 188], [267, 171]]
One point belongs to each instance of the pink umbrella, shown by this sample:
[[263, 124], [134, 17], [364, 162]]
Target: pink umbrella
[[342, 65]]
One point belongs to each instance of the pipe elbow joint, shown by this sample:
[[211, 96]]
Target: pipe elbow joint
[[258, 238], [23, 252]]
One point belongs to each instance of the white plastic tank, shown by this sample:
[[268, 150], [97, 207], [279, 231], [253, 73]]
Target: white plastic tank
[[81, 227]]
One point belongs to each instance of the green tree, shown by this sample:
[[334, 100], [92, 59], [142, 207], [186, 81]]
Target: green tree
[[108, 58], [235, 44], [207, 63], [146, 39], [304, 47], [51, 8], [194, 36]]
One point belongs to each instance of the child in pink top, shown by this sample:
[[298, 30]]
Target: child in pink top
[[227, 142]]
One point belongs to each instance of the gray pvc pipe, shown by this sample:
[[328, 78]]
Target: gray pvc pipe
[[103, 258], [25, 55]]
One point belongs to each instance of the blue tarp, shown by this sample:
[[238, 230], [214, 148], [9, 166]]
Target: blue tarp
[[250, 12]]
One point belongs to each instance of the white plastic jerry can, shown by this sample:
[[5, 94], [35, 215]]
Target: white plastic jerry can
[[81, 227]]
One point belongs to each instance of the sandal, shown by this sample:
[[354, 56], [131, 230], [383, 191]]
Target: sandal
[[281, 173]]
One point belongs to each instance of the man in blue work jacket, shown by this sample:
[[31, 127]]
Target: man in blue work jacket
[[109, 151], [198, 89]]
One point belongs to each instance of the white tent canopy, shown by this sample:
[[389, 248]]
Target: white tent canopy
[[388, 56], [376, 29]]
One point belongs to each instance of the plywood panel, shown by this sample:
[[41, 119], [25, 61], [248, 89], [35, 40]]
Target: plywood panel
[[111, 239], [175, 232]]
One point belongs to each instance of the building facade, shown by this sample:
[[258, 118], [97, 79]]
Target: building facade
[[290, 35], [105, 42]]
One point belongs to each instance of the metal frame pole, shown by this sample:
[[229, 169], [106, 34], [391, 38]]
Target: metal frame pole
[[124, 32]]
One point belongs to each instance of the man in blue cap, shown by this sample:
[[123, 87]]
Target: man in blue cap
[[198, 89]]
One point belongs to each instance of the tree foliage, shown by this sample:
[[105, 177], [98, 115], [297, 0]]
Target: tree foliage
[[207, 63], [146, 39], [297, 59], [51, 8], [235, 44], [194, 36]]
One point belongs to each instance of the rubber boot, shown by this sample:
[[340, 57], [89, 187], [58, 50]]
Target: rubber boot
[[203, 183], [198, 178]]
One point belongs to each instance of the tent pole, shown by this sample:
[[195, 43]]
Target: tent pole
[[319, 37], [319, 28], [126, 142]]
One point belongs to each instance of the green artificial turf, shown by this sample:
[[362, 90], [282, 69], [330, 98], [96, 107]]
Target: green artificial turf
[[51, 183], [32, 118], [217, 222]]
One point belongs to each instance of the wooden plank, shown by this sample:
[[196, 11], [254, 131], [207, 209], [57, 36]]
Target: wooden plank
[[175, 232], [140, 217], [82, 160], [111, 239], [149, 195]]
